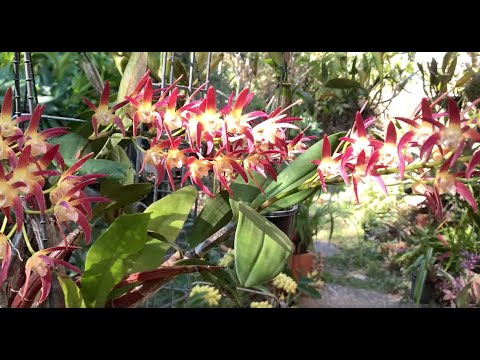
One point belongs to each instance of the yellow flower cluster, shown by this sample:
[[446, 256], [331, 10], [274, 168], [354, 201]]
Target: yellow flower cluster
[[211, 295], [261, 304], [285, 283], [227, 259]]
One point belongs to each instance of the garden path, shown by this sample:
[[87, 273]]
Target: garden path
[[339, 296]]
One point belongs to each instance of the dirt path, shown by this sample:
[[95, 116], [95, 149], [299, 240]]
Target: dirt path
[[339, 296]]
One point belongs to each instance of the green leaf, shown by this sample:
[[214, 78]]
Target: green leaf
[[446, 60], [118, 155], [307, 286], [378, 59], [71, 292], [134, 71], [467, 76], [215, 214], [219, 278], [120, 195], [136, 68], [277, 58], [308, 100], [168, 214], [261, 249], [70, 144], [154, 62], [107, 259], [117, 171], [149, 258], [248, 192], [342, 83], [291, 200], [298, 171]]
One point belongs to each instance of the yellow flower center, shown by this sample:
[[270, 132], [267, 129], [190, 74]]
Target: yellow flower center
[[450, 137], [3, 246], [37, 265], [446, 183], [177, 158], [199, 168], [65, 213], [104, 118]]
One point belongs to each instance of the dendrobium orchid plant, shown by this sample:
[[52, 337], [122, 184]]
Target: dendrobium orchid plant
[[433, 153]]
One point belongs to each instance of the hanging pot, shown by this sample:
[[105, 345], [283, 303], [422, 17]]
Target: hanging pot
[[284, 220]]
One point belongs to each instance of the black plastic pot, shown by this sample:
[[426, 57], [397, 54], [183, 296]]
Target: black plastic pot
[[284, 220]]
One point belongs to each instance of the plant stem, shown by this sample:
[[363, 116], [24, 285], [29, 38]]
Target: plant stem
[[4, 224], [27, 241], [214, 240], [38, 212]]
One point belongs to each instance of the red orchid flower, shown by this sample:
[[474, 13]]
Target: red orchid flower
[[6, 150], [38, 140], [43, 265], [239, 124], [297, 144], [9, 198], [175, 118], [104, 115], [423, 130], [65, 209], [258, 162], [328, 167], [68, 180], [27, 172], [205, 124], [161, 159], [475, 159], [450, 136], [198, 169], [5, 257], [391, 153], [446, 183], [8, 127], [147, 112], [360, 140], [363, 171], [271, 131], [225, 166]]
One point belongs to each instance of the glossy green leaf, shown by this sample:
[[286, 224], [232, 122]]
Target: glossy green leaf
[[291, 200], [70, 144], [215, 214], [248, 192], [219, 278], [94, 146], [134, 71], [107, 260], [71, 292], [149, 258], [341, 83], [117, 171], [136, 68], [154, 63], [118, 155], [121, 195], [168, 214], [261, 249], [298, 170]]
